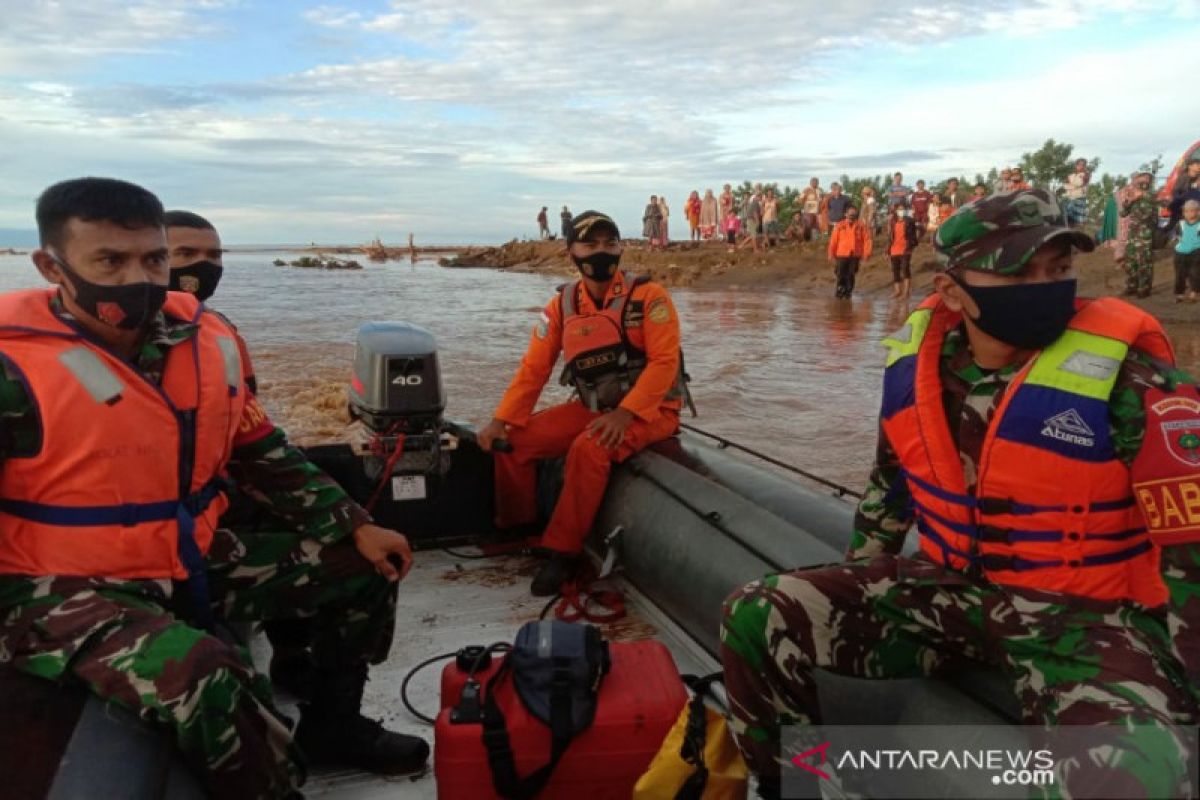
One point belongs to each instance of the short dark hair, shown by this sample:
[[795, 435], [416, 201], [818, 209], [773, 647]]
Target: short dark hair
[[186, 219], [95, 200]]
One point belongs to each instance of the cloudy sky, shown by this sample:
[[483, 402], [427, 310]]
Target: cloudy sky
[[458, 119]]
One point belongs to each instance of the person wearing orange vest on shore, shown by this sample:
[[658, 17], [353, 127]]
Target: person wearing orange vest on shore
[[619, 339], [123, 412], [1005, 437], [849, 244], [902, 240]]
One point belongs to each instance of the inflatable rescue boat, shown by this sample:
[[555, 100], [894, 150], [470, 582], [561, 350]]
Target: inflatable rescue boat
[[682, 525]]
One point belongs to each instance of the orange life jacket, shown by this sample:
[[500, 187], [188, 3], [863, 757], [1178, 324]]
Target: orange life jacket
[[126, 482], [899, 234], [1052, 507], [600, 359], [849, 240]]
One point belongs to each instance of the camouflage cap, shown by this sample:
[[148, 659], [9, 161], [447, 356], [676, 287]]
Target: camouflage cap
[[1001, 233]]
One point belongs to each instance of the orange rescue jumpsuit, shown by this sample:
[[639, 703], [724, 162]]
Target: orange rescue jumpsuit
[[561, 429]]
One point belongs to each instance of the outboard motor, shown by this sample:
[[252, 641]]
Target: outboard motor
[[413, 470], [396, 393]]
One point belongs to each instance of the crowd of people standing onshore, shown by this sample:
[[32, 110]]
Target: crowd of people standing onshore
[[848, 226], [903, 216], [900, 217]]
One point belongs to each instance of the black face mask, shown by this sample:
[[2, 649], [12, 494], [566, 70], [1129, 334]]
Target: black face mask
[[1030, 316], [129, 307], [598, 266], [199, 278]]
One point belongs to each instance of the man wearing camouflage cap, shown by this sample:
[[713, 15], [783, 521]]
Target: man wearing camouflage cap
[[1011, 416]]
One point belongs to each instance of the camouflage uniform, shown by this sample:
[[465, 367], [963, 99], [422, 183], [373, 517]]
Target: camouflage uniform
[[1071, 660], [125, 641], [1139, 250], [1181, 573]]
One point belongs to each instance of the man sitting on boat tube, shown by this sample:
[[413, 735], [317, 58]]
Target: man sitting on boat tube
[[1017, 432], [619, 337]]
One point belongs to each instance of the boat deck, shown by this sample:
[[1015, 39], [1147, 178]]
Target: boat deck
[[447, 603]]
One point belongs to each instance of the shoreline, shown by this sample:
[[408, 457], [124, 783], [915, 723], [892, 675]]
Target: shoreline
[[792, 267], [704, 265]]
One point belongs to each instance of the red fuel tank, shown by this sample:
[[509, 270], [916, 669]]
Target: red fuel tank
[[639, 701]]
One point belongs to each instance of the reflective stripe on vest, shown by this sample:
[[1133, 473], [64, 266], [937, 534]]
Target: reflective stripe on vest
[[90, 371], [127, 481], [1052, 507], [233, 361]]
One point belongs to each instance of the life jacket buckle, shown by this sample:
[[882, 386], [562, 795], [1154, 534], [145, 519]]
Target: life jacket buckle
[[992, 562], [991, 533], [996, 505]]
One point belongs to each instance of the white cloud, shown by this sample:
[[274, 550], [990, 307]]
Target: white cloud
[[451, 106], [333, 17], [37, 36]]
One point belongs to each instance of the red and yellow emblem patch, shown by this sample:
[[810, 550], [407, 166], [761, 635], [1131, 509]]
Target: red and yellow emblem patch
[[1166, 472]]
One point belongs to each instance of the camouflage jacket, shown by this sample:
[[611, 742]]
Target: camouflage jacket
[[970, 396], [269, 469], [1143, 216]]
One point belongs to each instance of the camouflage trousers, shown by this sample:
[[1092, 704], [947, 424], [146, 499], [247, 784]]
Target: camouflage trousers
[[1139, 265], [1181, 573], [121, 640], [1086, 663]]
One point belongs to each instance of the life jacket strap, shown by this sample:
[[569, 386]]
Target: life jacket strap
[[184, 512], [1007, 505], [124, 514], [994, 562]]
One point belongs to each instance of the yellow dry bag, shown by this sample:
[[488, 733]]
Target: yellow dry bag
[[698, 760]]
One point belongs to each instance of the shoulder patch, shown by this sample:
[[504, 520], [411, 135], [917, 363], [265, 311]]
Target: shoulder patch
[[254, 424], [1166, 472], [659, 311]]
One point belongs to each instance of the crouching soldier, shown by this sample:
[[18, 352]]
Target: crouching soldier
[[1010, 419]]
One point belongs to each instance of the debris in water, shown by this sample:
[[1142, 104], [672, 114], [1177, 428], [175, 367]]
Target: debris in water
[[320, 262]]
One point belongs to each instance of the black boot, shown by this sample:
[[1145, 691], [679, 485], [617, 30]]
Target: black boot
[[292, 666], [292, 669], [553, 574], [333, 732]]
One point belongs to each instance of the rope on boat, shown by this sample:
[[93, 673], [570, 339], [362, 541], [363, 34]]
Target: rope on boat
[[722, 442]]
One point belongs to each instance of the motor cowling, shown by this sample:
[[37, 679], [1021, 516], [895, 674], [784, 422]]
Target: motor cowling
[[396, 394], [397, 386]]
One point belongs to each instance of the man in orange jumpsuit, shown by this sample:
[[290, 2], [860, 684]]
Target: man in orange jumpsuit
[[620, 340], [849, 244]]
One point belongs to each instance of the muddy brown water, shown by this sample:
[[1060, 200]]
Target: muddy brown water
[[789, 371]]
